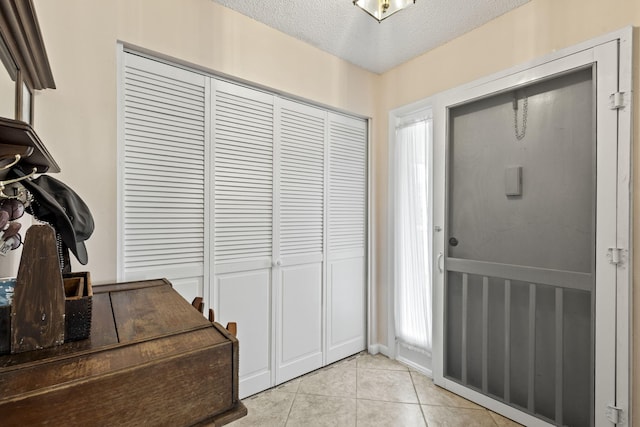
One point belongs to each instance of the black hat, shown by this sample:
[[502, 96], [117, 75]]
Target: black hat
[[60, 206]]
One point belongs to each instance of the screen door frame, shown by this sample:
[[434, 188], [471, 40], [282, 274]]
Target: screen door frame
[[611, 55]]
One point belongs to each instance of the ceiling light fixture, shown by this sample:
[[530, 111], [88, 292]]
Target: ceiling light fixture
[[381, 9]]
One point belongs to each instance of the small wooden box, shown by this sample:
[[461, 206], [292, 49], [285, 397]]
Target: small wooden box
[[77, 306], [77, 322]]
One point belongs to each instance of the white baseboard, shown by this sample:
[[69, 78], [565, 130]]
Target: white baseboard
[[378, 348], [415, 366]]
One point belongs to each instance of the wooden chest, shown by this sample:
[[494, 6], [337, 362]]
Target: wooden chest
[[151, 359]]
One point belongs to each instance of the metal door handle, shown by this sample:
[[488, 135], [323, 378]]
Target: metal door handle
[[440, 257]]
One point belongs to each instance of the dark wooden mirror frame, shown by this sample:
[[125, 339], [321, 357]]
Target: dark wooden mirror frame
[[24, 56], [25, 48]]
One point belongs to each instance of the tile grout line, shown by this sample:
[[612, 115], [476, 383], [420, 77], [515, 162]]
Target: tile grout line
[[295, 395], [371, 369], [356, 361], [415, 390]]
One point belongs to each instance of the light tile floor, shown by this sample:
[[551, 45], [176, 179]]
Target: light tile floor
[[365, 390]]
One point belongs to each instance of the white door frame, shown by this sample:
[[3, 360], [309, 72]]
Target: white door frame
[[617, 302]]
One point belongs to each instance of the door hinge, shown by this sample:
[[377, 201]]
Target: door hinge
[[615, 256], [614, 414], [616, 100]]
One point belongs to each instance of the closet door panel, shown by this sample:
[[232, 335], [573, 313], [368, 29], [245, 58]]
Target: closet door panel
[[299, 338], [347, 237], [300, 219], [346, 311], [163, 174], [246, 300], [243, 128]]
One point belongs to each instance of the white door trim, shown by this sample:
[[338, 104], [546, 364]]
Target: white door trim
[[624, 302], [120, 53]]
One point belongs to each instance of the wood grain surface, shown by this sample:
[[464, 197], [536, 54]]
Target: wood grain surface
[[137, 316], [37, 312], [152, 359]]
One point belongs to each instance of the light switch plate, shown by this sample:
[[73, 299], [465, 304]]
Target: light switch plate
[[513, 181]]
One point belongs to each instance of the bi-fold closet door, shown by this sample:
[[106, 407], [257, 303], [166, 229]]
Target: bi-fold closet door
[[299, 246], [289, 196], [162, 174], [255, 202], [243, 193]]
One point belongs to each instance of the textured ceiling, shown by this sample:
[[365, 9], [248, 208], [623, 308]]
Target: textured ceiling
[[344, 30]]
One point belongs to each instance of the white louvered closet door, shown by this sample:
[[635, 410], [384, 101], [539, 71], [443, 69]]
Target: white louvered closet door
[[163, 175], [243, 129], [299, 246], [252, 201], [347, 237]]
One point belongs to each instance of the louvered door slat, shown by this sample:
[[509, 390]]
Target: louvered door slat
[[159, 77], [243, 173], [161, 131], [176, 160], [164, 133], [151, 191], [301, 187], [151, 105], [236, 150], [138, 144], [164, 139], [302, 155]]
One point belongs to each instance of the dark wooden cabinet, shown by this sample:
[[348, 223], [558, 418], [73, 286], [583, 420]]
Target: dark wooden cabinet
[[151, 359]]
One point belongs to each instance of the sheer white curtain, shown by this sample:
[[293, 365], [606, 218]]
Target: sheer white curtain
[[412, 235]]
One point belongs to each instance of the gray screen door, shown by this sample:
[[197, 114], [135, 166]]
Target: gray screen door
[[521, 237]]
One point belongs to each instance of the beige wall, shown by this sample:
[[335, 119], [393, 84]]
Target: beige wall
[[535, 29], [78, 120]]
